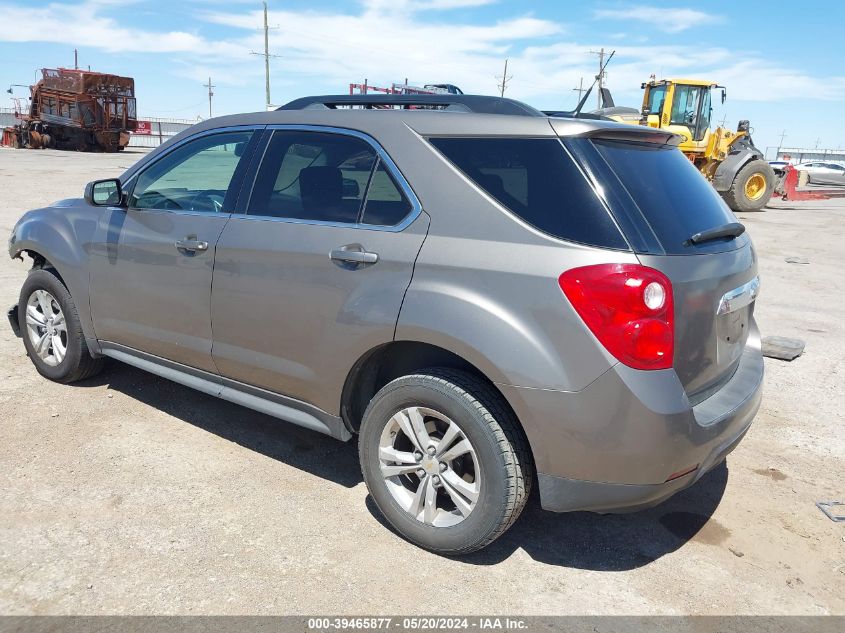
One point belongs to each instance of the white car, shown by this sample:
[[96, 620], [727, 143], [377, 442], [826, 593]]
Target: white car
[[822, 173]]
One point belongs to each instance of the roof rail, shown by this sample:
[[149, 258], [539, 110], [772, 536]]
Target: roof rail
[[478, 104]]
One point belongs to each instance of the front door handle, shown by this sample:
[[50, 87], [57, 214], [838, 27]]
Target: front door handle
[[353, 256], [192, 245]]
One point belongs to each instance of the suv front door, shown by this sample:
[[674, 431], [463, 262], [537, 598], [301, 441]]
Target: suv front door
[[152, 262], [313, 274]]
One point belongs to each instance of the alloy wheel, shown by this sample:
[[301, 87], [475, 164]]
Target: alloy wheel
[[46, 327], [430, 466]]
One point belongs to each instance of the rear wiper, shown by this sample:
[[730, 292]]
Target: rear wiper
[[731, 230]]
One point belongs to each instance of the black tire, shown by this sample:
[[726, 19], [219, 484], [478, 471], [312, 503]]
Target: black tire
[[736, 196], [500, 447], [77, 364]]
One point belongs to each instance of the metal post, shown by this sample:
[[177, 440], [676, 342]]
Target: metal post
[[266, 58], [601, 78], [579, 89], [209, 85]]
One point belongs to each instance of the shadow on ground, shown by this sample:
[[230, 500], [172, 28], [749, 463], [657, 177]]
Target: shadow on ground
[[581, 540], [612, 542], [301, 448]]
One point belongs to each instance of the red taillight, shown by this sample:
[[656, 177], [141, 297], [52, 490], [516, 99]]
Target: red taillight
[[629, 309]]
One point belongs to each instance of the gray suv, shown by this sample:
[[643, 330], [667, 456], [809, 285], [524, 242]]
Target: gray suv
[[489, 298]]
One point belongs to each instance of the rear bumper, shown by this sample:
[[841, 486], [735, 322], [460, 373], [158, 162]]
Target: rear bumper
[[614, 446], [13, 320]]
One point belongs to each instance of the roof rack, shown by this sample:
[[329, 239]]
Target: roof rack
[[478, 104]]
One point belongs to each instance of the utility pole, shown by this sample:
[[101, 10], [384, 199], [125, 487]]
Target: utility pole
[[209, 85], [780, 143], [75, 59], [580, 89], [267, 57], [600, 77], [505, 79]]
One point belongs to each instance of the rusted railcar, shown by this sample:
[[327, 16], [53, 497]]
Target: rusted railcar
[[77, 110]]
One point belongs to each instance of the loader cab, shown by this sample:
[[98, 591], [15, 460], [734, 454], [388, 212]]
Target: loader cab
[[680, 106]]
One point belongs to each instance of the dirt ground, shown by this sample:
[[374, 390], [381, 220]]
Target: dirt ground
[[128, 494]]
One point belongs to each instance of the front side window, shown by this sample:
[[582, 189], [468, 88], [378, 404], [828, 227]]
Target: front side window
[[193, 177], [703, 122], [313, 176], [537, 180], [685, 105]]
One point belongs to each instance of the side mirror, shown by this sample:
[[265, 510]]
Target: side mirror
[[724, 95], [105, 193]]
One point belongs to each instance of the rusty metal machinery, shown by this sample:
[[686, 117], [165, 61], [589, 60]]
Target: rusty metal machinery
[[77, 110]]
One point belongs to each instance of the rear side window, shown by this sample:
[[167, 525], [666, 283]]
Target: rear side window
[[326, 177], [673, 196], [385, 206], [313, 176], [538, 181]]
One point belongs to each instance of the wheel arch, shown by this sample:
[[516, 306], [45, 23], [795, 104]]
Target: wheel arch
[[51, 241], [392, 360], [727, 170]]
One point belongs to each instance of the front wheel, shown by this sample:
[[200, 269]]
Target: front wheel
[[445, 460], [752, 187], [52, 333]]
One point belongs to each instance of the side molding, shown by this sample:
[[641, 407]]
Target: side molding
[[273, 404]]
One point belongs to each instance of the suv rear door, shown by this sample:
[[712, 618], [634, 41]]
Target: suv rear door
[[311, 273]]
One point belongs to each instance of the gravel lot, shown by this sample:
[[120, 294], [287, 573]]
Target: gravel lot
[[128, 494]]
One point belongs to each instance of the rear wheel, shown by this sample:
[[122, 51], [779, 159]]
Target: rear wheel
[[445, 460], [52, 333], [752, 187]]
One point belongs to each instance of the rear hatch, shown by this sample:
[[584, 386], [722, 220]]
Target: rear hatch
[[672, 216]]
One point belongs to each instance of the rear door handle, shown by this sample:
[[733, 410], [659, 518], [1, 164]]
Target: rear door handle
[[192, 245], [353, 257]]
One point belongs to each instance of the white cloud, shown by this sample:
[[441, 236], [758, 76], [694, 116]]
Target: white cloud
[[83, 25], [669, 20], [423, 5]]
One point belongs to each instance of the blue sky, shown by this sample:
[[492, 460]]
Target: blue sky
[[782, 64]]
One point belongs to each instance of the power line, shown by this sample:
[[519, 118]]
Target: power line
[[209, 85], [266, 54], [505, 77]]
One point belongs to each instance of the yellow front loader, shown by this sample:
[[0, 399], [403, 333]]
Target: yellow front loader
[[727, 158]]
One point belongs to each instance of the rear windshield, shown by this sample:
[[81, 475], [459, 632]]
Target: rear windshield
[[670, 192], [538, 181]]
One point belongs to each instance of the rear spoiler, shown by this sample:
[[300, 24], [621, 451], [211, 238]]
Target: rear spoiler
[[573, 128]]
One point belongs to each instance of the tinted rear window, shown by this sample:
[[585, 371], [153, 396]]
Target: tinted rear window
[[670, 192], [538, 181]]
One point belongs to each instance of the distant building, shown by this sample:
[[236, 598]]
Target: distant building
[[803, 154]]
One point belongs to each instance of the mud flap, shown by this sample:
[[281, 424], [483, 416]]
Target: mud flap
[[13, 320]]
